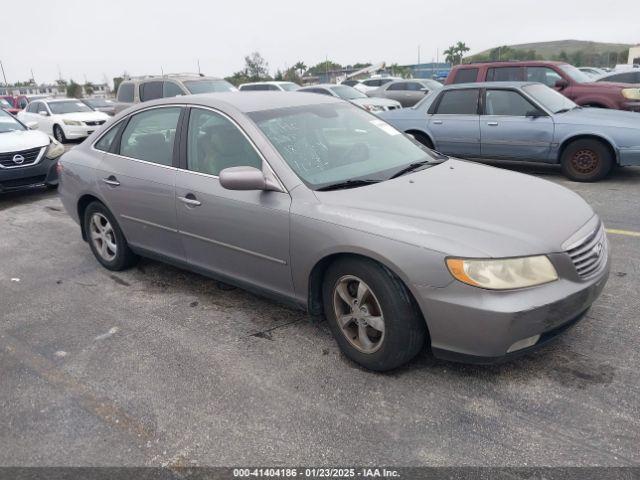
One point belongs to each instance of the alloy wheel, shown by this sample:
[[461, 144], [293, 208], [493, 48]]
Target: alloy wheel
[[358, 314], [103, 237]]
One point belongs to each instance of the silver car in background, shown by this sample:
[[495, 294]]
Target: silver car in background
[[315, 202], [407, 92], [350, 94]]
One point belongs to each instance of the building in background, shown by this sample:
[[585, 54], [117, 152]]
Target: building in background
[[53, 90], [634, 55]]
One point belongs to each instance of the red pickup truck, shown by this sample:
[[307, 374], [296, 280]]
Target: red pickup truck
[[11, 101], [565, 78]]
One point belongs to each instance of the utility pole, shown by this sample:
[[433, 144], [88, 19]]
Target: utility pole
[[3, 74], [33, 77], [418, 54], [199, 72]]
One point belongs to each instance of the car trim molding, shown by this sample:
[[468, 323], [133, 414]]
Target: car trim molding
[[205, 239]]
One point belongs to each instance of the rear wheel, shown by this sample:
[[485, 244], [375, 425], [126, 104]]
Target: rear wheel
[[58, 134], [106, 239], [371, 314], [586, 161]]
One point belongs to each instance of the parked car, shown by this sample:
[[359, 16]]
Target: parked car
[[565, 78], [593, 72], [152, 87], [630, 76], [64, 118], [350, 82], [103, 105], [315, 202], [27, 157], [371, 104], [8, 103], [266, 86], [372, 83], [523, 121], [407, 92]]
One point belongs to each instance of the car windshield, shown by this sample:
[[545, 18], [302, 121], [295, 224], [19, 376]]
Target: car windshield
[[99, 102], [71, 106], [289, 87], [575, 74], [347, 93], [208, 86], [4, 103], [549, 98], [8, 123], [327, 144]]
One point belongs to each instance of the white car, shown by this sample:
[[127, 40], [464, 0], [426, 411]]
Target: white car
[[268, 86], [373, 83], [27, 157], [345, 92], [65, 119]]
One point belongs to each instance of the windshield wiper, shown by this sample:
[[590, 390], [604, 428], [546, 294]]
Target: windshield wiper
[[412, 167], [347, 184]]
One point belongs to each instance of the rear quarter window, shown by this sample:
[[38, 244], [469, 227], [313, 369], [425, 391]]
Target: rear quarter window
[[466, 75], [125, 92]]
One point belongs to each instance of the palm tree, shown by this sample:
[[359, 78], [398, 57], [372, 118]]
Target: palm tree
[[300, 67], [461, 49], [451, 55]]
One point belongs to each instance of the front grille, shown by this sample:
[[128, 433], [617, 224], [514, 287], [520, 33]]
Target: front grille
[[29, 158], [590, 254], [95, 123]]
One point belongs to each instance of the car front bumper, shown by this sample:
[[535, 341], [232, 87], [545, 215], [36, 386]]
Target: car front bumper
[[474, 325], [42, 173], [633, 106], [73, 132]]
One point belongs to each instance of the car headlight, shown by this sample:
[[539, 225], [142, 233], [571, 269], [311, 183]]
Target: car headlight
[[54, 150], [503, 274], [631, 93], [72, 122], [373, 108]]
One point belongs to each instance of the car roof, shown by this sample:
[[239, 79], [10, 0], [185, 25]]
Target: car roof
[[324, 85], [247, 102], [455, 86], [178, 77], [268, 82], [56, 100], [508, 63]]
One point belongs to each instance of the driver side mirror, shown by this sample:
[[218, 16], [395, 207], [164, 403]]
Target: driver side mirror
[[562, 84], [535, 114], [32, 125], [246, 178], [43, 113]]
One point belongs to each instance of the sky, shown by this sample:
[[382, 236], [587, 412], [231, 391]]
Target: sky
[[99, 40]]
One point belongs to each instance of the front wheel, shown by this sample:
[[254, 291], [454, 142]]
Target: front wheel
[[58, 134], [423, 139], [586, 161], [371, 314]]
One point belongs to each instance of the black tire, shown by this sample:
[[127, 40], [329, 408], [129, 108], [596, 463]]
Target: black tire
[[586, 160], [422, 138], [58, 134], [405, 330], [124, 257]]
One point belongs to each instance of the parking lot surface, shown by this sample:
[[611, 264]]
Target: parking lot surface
[[158, 366]]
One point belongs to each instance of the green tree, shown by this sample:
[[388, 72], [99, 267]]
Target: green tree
[[89, 88], [451, 55], [116, 83], [462, 48], [256, 67], [323, 67], [300, 68], [74, 90]]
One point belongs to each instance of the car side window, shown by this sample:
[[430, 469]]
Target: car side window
[[505, 74], [466, 75], [459, 102], [507, 102], [414, 86], [23, 103], [125, 92], [105, 143], [150, 91], [150, 135], [171, 89], [398, 86], [31, 108], [545, 75], [215, 143]]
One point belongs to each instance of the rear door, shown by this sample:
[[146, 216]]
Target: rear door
[[513, 127], [454, 122], [137, 176]]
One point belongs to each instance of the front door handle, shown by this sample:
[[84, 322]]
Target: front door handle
[[492, 124], [111, 181], [437, 122], [190, 200]]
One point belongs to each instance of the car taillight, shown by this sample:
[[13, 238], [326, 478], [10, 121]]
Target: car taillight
[[59, 168]]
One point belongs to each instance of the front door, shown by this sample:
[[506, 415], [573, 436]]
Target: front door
[[454, 122], [513, 127], [136, 178], [239, 234]]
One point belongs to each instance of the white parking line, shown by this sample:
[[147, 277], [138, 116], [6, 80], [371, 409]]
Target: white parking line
[[628, 233]]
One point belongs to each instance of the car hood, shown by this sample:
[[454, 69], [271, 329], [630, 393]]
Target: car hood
[[600, 116], [85, 116], [383, 102], [22, 140], [463, 208]]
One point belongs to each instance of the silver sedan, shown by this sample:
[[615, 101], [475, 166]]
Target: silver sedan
[[317, 203]]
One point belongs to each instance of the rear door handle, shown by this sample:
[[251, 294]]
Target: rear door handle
[[111, 181], [492, 124], [190, 200], [437, 122]]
